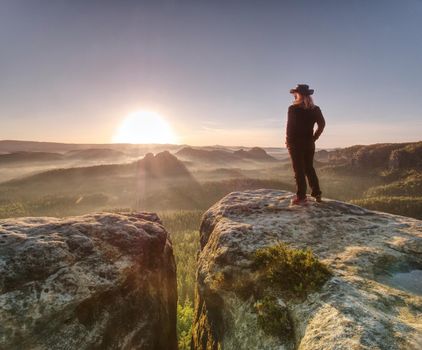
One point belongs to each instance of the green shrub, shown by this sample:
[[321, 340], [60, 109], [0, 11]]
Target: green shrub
[[185, 314], [295, 272]]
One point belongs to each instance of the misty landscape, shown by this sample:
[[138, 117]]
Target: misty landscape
[[62, 179]]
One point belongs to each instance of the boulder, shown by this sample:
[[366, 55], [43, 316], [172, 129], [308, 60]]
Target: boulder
[[98, 281], [367, 266]]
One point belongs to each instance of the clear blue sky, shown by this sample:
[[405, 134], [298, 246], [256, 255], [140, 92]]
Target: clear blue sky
[[219, 72]]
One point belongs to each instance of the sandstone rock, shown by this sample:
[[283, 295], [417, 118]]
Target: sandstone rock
[[100, 281], [361, 306]]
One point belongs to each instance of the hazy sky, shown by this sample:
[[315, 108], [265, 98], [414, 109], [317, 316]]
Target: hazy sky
[[218, 71]]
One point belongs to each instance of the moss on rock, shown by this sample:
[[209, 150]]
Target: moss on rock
[[273, 317], [295, 272]]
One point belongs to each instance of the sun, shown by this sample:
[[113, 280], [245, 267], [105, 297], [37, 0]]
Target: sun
[[144, 127]]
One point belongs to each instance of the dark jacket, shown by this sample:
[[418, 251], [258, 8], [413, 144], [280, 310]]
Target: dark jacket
[[300, 124]]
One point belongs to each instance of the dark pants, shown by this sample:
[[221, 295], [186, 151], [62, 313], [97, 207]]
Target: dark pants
[[302, 156]]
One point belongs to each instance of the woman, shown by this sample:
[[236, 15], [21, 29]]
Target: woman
[[300, 141]]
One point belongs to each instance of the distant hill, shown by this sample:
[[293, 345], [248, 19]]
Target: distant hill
[[255, 153], [132, 150], [410, 185], [163, 164], [396, 156], [90, 154], [9, 146], [383, 176], [223, 156], [29, 157], [322, 155], [213, 156], [94, 154], [163, 167]]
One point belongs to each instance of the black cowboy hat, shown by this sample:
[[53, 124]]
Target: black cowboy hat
[[302, 89]]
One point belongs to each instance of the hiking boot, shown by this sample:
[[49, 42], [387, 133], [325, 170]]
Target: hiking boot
[[298, 201], [318, 198]]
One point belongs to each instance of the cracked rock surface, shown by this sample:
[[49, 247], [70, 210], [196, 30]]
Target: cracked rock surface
[[98, 281], [363, 305]]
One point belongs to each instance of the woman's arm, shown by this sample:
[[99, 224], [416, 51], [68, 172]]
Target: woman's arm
[[290, 124], [320, 122]]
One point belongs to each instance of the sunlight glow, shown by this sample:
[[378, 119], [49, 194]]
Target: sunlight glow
[[144, 127]]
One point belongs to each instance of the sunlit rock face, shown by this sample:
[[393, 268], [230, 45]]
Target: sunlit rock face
[[100, 281], [369, 301]]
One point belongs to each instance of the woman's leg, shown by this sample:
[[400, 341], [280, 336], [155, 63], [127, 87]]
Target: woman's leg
[[310, 170], [298, 163]]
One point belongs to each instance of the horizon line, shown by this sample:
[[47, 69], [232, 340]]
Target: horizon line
[[185, 144]]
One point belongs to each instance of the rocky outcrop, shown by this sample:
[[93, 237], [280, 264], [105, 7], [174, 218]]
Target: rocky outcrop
[[378, 157], [409, 157], [163, 165], [370, 298], [100, 281]]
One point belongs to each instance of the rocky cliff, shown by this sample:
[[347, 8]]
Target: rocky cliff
[[101, 281], [258, 287]]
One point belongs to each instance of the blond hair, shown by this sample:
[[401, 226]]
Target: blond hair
[[306, 101]]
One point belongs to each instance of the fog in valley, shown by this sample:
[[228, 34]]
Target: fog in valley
[[56, 181]]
